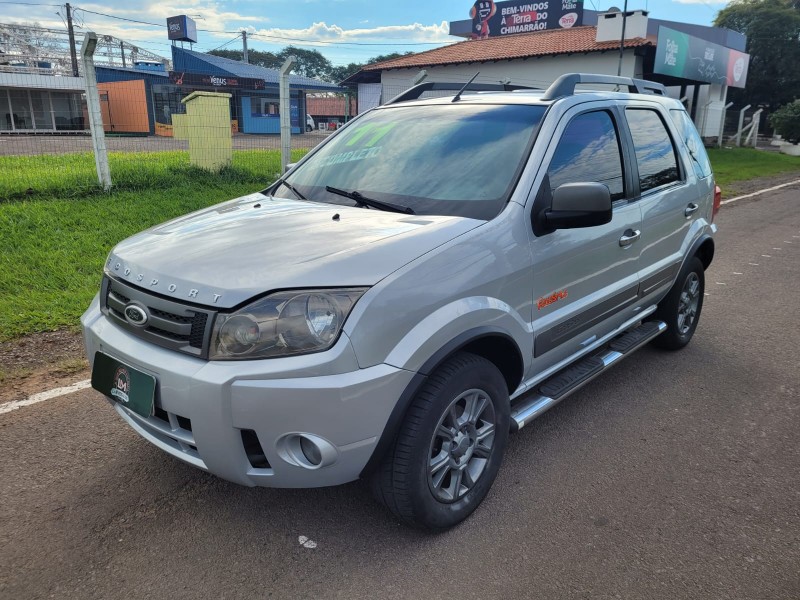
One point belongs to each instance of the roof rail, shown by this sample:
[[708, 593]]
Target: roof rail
[[430, 86], [565, 85]]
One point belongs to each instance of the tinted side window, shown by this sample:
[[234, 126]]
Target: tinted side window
[[702, 166], [589, 151], [655, 153]]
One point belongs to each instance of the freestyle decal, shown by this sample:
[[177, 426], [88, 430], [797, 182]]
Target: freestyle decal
[[546, 301]]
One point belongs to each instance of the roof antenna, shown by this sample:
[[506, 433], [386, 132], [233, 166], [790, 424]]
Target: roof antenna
[[457, 97]]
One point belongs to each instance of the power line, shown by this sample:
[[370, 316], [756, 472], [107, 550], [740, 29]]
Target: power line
[[226, 43]]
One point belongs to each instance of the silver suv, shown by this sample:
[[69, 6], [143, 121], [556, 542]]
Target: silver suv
[[433, 277]]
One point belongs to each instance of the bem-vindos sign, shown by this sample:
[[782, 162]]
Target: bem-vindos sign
[[490, 19]]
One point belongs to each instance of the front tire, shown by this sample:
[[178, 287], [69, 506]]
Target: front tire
[[450, 445], [680, 309]]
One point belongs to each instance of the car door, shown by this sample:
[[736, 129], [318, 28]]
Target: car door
[[585, 280], [664, 191]]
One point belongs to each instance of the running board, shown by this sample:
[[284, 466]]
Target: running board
[[573, 377]]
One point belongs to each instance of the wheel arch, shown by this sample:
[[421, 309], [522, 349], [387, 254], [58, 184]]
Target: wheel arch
[[704, 250], [492, 343]]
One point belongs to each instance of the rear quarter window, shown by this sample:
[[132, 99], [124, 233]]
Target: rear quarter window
[[693, 141]]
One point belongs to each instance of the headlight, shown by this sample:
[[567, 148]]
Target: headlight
[[283, 324]]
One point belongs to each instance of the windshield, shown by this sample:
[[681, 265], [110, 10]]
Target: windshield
[[436, 160]]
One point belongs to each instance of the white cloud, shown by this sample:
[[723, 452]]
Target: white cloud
[[706, 2], [322, 32]]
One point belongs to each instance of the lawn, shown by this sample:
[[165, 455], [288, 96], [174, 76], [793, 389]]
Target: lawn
[[75, 175], [732, 165], [54, 239]]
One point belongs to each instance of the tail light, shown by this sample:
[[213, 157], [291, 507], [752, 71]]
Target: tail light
[[717, 202]]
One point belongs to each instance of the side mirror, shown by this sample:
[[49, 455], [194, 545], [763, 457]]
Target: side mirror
[[579, 205]]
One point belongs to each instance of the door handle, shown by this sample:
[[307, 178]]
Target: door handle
[[630, 236], [690, 209]]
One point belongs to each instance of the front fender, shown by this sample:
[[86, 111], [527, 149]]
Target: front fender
[[450, 322]]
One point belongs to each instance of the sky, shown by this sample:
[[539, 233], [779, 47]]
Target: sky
[[344, 31]]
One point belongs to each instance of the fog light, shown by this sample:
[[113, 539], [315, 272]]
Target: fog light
[[306, 450], [310, 451]]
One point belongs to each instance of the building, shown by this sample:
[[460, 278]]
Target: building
[[255, 106], [331, 109], [41, 103], [42, 88], [696, 63]]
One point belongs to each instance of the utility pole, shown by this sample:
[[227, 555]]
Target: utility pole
[[73, 55], [245, 58], [622, 38]]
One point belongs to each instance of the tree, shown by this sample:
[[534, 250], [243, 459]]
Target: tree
[[310, 63], [267, 60], [786, 121], [772, 28]]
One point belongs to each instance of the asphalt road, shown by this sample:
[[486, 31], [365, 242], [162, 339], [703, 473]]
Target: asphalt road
[[675, 475]]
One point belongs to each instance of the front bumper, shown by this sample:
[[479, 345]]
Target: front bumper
[[202, 407]]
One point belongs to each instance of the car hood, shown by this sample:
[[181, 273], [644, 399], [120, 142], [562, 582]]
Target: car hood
[[229, 253]]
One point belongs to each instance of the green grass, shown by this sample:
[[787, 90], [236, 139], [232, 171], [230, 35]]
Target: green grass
[[53, 240], [732, 165], [52, 251], [75, 175]]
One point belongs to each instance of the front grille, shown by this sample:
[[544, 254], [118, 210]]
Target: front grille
[[170, 324]]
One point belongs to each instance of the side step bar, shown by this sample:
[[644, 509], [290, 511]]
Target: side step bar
[[573, 377]]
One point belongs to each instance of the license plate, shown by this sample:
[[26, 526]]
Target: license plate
[[122, 383]]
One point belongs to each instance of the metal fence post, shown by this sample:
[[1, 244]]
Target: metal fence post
[[741, 122], [754, 128], [93, 108], [722, 123], [286, 114]]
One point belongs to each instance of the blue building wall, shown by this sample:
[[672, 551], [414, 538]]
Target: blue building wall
[[255, 122]]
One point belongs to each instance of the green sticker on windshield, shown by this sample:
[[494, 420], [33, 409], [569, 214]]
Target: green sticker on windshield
[[377, 131]]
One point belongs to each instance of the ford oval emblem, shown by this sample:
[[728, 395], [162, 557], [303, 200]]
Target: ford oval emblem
[[135, 315]]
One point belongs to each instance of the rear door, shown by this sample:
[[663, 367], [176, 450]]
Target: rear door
[[584, 279], [665, 191]]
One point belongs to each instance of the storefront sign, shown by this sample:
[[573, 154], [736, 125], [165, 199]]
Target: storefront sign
[[216, 81], [182, 29], [682, 55], [490, 19]]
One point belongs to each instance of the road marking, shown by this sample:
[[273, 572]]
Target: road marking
[[720, 283], [42, 396], [786, 242], [776, 248], [753, 264], [767, 255], [759, 192], [737, 273]]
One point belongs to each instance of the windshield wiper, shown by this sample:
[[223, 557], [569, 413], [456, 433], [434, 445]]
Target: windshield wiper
[[361, 200], [292, 189]]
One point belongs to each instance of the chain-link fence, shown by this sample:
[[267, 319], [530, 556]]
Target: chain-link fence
[[157, 125]]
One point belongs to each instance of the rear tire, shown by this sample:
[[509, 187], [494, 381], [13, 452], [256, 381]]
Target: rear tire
[[680, 309], [450, 445]]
